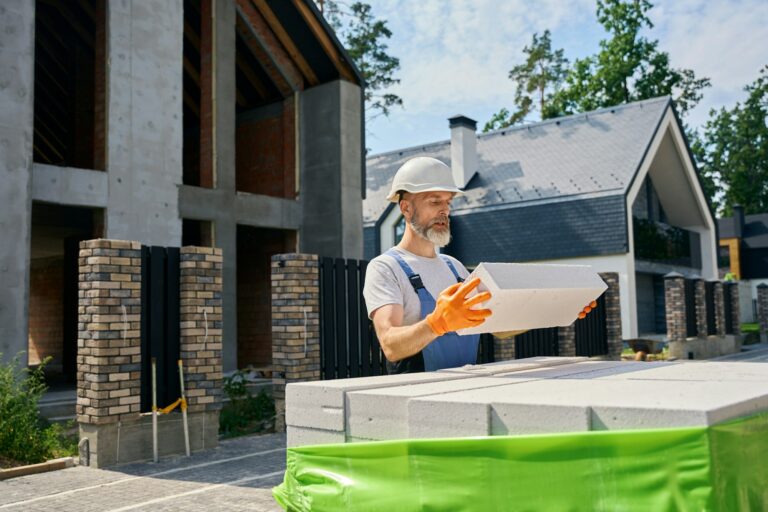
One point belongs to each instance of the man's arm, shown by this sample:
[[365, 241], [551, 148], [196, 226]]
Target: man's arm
[[398, 341]]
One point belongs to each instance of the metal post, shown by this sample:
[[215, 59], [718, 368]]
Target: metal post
[[154, 409], [184, 407]]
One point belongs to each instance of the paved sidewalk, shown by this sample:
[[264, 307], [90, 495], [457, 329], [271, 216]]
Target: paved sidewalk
[[238, 475]]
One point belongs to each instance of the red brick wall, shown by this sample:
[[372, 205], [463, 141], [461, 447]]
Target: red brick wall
[[46, 281], [100, 88], [265, 155], [255, 247], [206, 90]]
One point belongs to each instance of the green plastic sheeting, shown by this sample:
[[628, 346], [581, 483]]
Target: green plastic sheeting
[[723, 467]]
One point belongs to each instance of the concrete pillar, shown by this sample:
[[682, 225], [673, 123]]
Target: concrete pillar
[[701, 308], [613, 315], [719, 308], [762, 311], [144, 131], [331, 161], [295, 324], [674, 298], [224, 95], [17, 64]]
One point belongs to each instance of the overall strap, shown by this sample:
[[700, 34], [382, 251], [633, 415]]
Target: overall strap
[[413, 277], [448, 261]]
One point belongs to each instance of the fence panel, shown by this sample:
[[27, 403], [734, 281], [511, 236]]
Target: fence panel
[[691, 329], [728, 303], [485, 349], [537, 342], [709, 295], [592, 333]]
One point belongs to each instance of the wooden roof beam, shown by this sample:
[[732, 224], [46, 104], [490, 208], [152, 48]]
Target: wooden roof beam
[[252, 78], [325, 41], [261, 35]]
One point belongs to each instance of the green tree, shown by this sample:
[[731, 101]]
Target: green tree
[[536, 82], [364, 38], [628, 67], [733, 151]]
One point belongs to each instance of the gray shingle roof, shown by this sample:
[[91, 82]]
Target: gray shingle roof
[[586, 155]]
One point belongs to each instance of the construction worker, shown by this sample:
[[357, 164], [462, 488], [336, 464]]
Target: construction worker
[[417, 298]]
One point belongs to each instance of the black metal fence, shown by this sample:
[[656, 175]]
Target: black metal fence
[[160, 335], [690, 309], [592, 332], [728, 303], [709, 300], [537, 342]]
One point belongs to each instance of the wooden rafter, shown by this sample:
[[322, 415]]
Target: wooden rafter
[[263, 59], [256, 32], [193, 73], [286, 41], [194, 38], [65, 13], [325, 41], [191, 104], [252, 78]]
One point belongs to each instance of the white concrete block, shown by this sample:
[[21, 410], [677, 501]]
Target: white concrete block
[[582, 370], [302, 436], [430, 418], [514, 419], [383, 413], [516, 365], [696, 371], [320, 404]]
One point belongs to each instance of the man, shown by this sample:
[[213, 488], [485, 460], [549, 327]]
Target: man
[[415, 330]]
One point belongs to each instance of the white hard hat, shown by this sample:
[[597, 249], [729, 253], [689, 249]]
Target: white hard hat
[[422, 174]]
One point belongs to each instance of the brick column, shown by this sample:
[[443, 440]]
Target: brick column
[[719, 292], [674, 298], [200, 317], [295, 324], [503, 349], [613, 315], [109, 342], [701, 308], [762, 311], [732, 294], [566, 340]]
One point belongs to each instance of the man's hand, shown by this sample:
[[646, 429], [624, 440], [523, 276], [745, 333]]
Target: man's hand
[[592, 305], [453, 310]]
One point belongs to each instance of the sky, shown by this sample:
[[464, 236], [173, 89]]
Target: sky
[[455, 55]]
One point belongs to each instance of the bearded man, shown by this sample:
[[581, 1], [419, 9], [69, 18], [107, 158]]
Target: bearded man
[[416, 297]]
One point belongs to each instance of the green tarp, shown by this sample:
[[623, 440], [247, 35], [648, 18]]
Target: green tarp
[[723, 467]]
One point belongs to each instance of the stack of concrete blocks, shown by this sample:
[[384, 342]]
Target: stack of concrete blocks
[[703, 345], [762, 311], [528, 396], [109, 353], [295, 325]]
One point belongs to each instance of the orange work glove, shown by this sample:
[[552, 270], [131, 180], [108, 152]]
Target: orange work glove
[[453, 310], [587, 309]]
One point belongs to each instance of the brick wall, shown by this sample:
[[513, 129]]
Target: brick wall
[[701, 308], [206, 178], [719, 308], [46, 282], [109, 343], [762, 310], [295, 324], [613, 315], [265, 154], [503, 349], [200, 316], [674, 298], [732, 294], [566, 340]]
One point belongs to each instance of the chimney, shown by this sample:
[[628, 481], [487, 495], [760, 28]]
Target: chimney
[[738, 220], [463, 149]]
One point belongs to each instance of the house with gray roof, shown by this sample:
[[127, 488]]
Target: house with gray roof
[[615, 189]]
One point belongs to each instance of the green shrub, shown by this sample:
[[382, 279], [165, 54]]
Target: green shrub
[[245, 413], [24, 436]]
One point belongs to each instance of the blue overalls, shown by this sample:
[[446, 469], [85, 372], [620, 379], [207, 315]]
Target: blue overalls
[[447, 351]]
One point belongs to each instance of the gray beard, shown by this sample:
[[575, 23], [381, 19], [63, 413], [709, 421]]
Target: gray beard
[[429, 234]]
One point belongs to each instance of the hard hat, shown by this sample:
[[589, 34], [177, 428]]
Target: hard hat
[[422, 174]]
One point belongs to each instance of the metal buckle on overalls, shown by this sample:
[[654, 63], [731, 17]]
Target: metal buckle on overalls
[[416, 281]]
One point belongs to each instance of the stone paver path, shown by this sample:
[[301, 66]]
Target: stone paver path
[[238, 475]]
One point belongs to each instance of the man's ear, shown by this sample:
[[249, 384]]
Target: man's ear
[[405, 208]]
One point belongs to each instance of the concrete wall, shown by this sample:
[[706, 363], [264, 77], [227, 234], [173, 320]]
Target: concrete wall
[[17, 28], [144, 137], [331, 156]]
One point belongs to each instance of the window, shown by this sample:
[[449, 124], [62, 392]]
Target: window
[[399, 230]]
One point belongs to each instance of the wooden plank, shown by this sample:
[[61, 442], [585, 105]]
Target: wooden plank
[[287, 42], [342, 369], [327, 314], [353, 310], [365, 329], [256, 32], [325, 41]]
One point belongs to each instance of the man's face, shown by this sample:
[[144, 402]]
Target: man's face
[[427, 214]]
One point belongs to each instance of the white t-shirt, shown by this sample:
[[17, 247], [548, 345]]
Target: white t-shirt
[[386, 282]]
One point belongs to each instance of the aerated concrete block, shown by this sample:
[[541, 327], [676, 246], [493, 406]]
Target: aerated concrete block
[[696, 371], [581, 369], [302, 436], [528, 363]]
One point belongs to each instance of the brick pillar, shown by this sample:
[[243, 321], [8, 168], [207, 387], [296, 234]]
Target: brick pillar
[[109, 342], [613, 315], [201, 328], [503, 349], [719, 292], [762, 311], [674, 298], [295, 324], [566, 340], [701, 308], [732, 293]]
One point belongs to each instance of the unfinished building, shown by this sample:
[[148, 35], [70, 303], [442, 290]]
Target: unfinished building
[[228, 123]]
